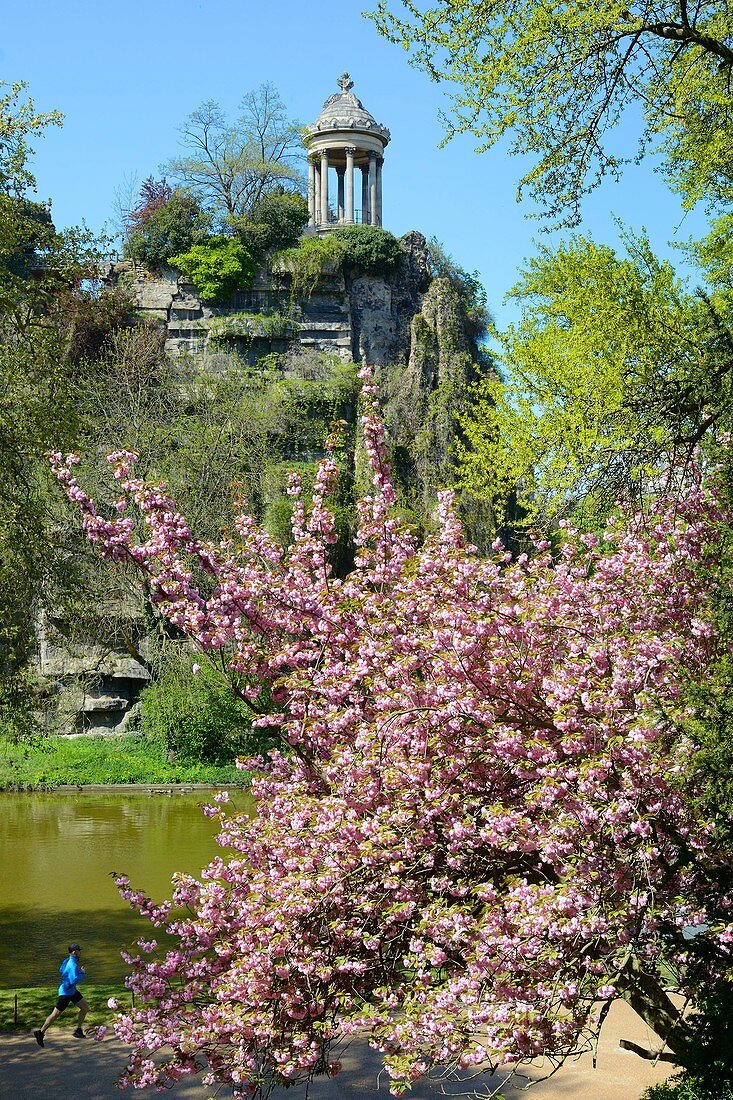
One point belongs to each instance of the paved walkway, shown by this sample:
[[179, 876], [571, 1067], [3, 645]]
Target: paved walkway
[[74, 1069]]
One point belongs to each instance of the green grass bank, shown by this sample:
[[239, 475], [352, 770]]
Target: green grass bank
[[52, 762], [25, 1009]]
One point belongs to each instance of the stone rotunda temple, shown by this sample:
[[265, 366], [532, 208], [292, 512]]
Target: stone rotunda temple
[[344, 137]]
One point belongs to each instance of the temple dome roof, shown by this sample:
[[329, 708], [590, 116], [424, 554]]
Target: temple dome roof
[[344, 111]]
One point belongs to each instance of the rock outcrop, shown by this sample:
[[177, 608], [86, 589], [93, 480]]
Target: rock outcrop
[[409, 326], [360, 318]]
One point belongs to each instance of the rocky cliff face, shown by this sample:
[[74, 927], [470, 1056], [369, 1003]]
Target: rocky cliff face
[[92, 689], [424, 400], [382, 310], [360, 318], [410, 326]]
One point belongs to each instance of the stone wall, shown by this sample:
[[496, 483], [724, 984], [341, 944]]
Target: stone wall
[[90, 688], [360, 318]]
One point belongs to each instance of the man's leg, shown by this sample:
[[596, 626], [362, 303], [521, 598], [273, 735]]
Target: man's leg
[[83, 1009], [54, 1015], [41, 1031]]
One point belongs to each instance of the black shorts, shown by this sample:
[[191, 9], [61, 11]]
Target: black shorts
[[67, 999]]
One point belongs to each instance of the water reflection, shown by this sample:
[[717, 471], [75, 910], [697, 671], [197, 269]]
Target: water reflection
[[57, 852]]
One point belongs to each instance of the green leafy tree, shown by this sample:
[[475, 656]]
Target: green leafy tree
[[613, 375], [19, 121], [230, 167], [554, 80], [38, 267], [371, 249], [217, 267], [276, 221], [714, 257], [167, 229]]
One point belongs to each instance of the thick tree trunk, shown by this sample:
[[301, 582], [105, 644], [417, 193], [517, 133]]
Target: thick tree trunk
[[646, 996]]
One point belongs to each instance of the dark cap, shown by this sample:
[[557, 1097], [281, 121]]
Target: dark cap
[[74, 947]]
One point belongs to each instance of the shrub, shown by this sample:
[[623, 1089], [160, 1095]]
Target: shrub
[[684, 1087], [218, 267], [370, 248], [248, 327], [199, 717], [88, 320], [308, 262], [707, 1055], [275, 222], [168, 230], [467, 284], [27, 231]]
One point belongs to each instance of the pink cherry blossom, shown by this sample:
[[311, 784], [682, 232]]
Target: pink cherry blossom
[[474, 832]]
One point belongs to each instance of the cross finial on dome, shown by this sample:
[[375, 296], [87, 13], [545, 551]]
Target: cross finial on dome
[[345, 82]]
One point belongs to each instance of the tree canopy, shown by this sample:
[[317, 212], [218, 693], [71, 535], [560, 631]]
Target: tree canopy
[[19, 121], [613, 376], [170, 222], [45, 322], [555, 79], [229, 167]]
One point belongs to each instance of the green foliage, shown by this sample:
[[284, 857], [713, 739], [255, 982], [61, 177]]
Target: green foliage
[[709, 714], [305, 408], [37, 398], [613, 373], [314, 257], [276, 221], [37, 264], [217, 267], [556, 79], [714, 255], [50, 762], [88, 319], [711, 729], [278, 514], [170, 230], [37, 414], [371, 249], [468, 286], [685, 1087], [18, 122], [26, 231], [707, 1054], [19, 701], [199, 718], [231, 166], [245, 328]]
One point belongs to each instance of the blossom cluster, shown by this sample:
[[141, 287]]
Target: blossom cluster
[[474, 829]]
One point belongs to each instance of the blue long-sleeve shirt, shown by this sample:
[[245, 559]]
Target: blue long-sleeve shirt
[[71, 973]]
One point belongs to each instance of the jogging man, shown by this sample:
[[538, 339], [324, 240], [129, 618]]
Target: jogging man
[[71, 973]]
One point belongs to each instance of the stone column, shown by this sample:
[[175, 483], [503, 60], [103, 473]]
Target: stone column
[[311, 191], [317, 191], [324, 187], [340, 172], [373, 189], [378, 219], [350, 154], [364, 194]]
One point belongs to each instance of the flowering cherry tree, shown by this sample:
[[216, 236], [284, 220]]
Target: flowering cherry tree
[[475, 834]]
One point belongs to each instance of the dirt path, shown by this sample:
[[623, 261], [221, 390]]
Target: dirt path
[[74, 1069]]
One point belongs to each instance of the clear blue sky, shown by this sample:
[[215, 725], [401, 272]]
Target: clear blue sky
[[126, 75]]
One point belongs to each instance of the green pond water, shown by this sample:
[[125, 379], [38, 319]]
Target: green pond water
[[57, 853]]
